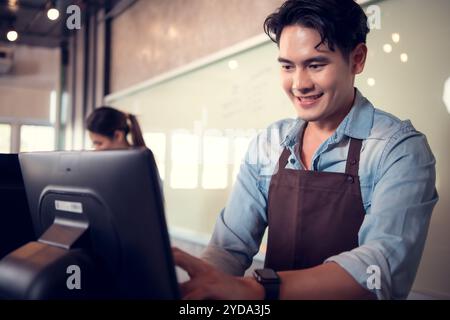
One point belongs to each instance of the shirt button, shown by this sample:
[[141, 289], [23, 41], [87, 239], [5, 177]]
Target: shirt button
[[350, 179], [292, 161]]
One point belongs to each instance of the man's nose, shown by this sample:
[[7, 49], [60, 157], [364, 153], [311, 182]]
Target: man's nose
[[302, 82]]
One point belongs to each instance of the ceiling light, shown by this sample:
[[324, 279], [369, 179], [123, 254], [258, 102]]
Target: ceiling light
[[13, 5], [53, 13], [371, 82], [12, 35]]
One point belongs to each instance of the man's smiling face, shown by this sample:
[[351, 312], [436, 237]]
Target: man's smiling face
[[318, 81]]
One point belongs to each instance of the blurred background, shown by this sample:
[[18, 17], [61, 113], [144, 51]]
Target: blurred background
[[203, 80]]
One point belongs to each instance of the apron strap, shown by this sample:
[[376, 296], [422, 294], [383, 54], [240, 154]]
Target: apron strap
[[354, 152], [282, 162]]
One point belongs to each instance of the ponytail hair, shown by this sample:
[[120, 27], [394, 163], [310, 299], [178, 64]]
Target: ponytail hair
[[106, 121], [136, 132]]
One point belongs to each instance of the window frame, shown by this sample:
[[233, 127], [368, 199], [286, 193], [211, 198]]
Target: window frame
[[16, 125]]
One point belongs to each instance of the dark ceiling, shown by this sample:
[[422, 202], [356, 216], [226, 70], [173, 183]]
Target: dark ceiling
[[29, 19]]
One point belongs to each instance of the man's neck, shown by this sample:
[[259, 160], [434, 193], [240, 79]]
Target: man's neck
[[324, 129]]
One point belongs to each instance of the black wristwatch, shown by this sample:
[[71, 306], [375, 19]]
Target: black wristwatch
[[270, 280]]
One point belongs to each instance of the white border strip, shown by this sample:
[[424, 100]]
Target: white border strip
[[239, 47]]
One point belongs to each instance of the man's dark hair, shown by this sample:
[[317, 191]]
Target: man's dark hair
[[340, 23]]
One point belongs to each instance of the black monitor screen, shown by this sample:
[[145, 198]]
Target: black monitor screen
[[15, 222], [116, 196]]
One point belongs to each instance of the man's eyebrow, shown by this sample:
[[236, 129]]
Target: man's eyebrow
[[283, 60], [317, 59]]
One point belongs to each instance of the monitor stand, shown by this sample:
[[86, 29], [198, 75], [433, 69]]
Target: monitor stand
[[57, 266]]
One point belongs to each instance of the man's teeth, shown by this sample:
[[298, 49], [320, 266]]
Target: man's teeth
[[311, 97]]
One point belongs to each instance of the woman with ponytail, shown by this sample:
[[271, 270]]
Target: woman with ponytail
[[108, 129]]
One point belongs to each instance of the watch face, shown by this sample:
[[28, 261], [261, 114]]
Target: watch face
[[267, 274]]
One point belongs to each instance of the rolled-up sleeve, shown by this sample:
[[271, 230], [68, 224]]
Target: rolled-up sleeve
[[394, 230]]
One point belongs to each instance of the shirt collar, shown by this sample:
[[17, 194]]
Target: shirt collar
[[356, 124], [359, 121], [292, 135]]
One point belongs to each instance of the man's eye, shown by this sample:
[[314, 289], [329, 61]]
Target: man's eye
[[315, 66], [286, 67]]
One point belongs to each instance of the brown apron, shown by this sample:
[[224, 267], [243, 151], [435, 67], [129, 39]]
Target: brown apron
[[313, 215]]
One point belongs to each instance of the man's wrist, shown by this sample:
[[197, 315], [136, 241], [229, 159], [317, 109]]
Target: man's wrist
[[270, 281], [255, 289]]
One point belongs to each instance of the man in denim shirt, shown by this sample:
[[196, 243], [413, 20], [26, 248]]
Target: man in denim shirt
[[346, 190]]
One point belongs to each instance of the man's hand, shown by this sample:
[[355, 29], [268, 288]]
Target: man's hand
[[206, 282]]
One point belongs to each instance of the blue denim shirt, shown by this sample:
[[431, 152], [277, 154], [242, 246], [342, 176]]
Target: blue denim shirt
[[397, 177]]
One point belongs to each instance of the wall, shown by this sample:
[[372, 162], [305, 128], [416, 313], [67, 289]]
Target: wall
[[25, 90], [28, 92], [154, 36]]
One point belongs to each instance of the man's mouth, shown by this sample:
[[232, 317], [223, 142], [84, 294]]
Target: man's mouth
[[310, 98]]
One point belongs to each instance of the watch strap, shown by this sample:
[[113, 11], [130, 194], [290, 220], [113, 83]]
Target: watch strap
[[272, 290]]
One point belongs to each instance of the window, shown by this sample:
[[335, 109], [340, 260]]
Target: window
[[185, 150], [5, 138], [215, 160], [37, 138], [156, 142]]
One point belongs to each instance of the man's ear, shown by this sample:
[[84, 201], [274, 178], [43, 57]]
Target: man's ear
[[358, 58]]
